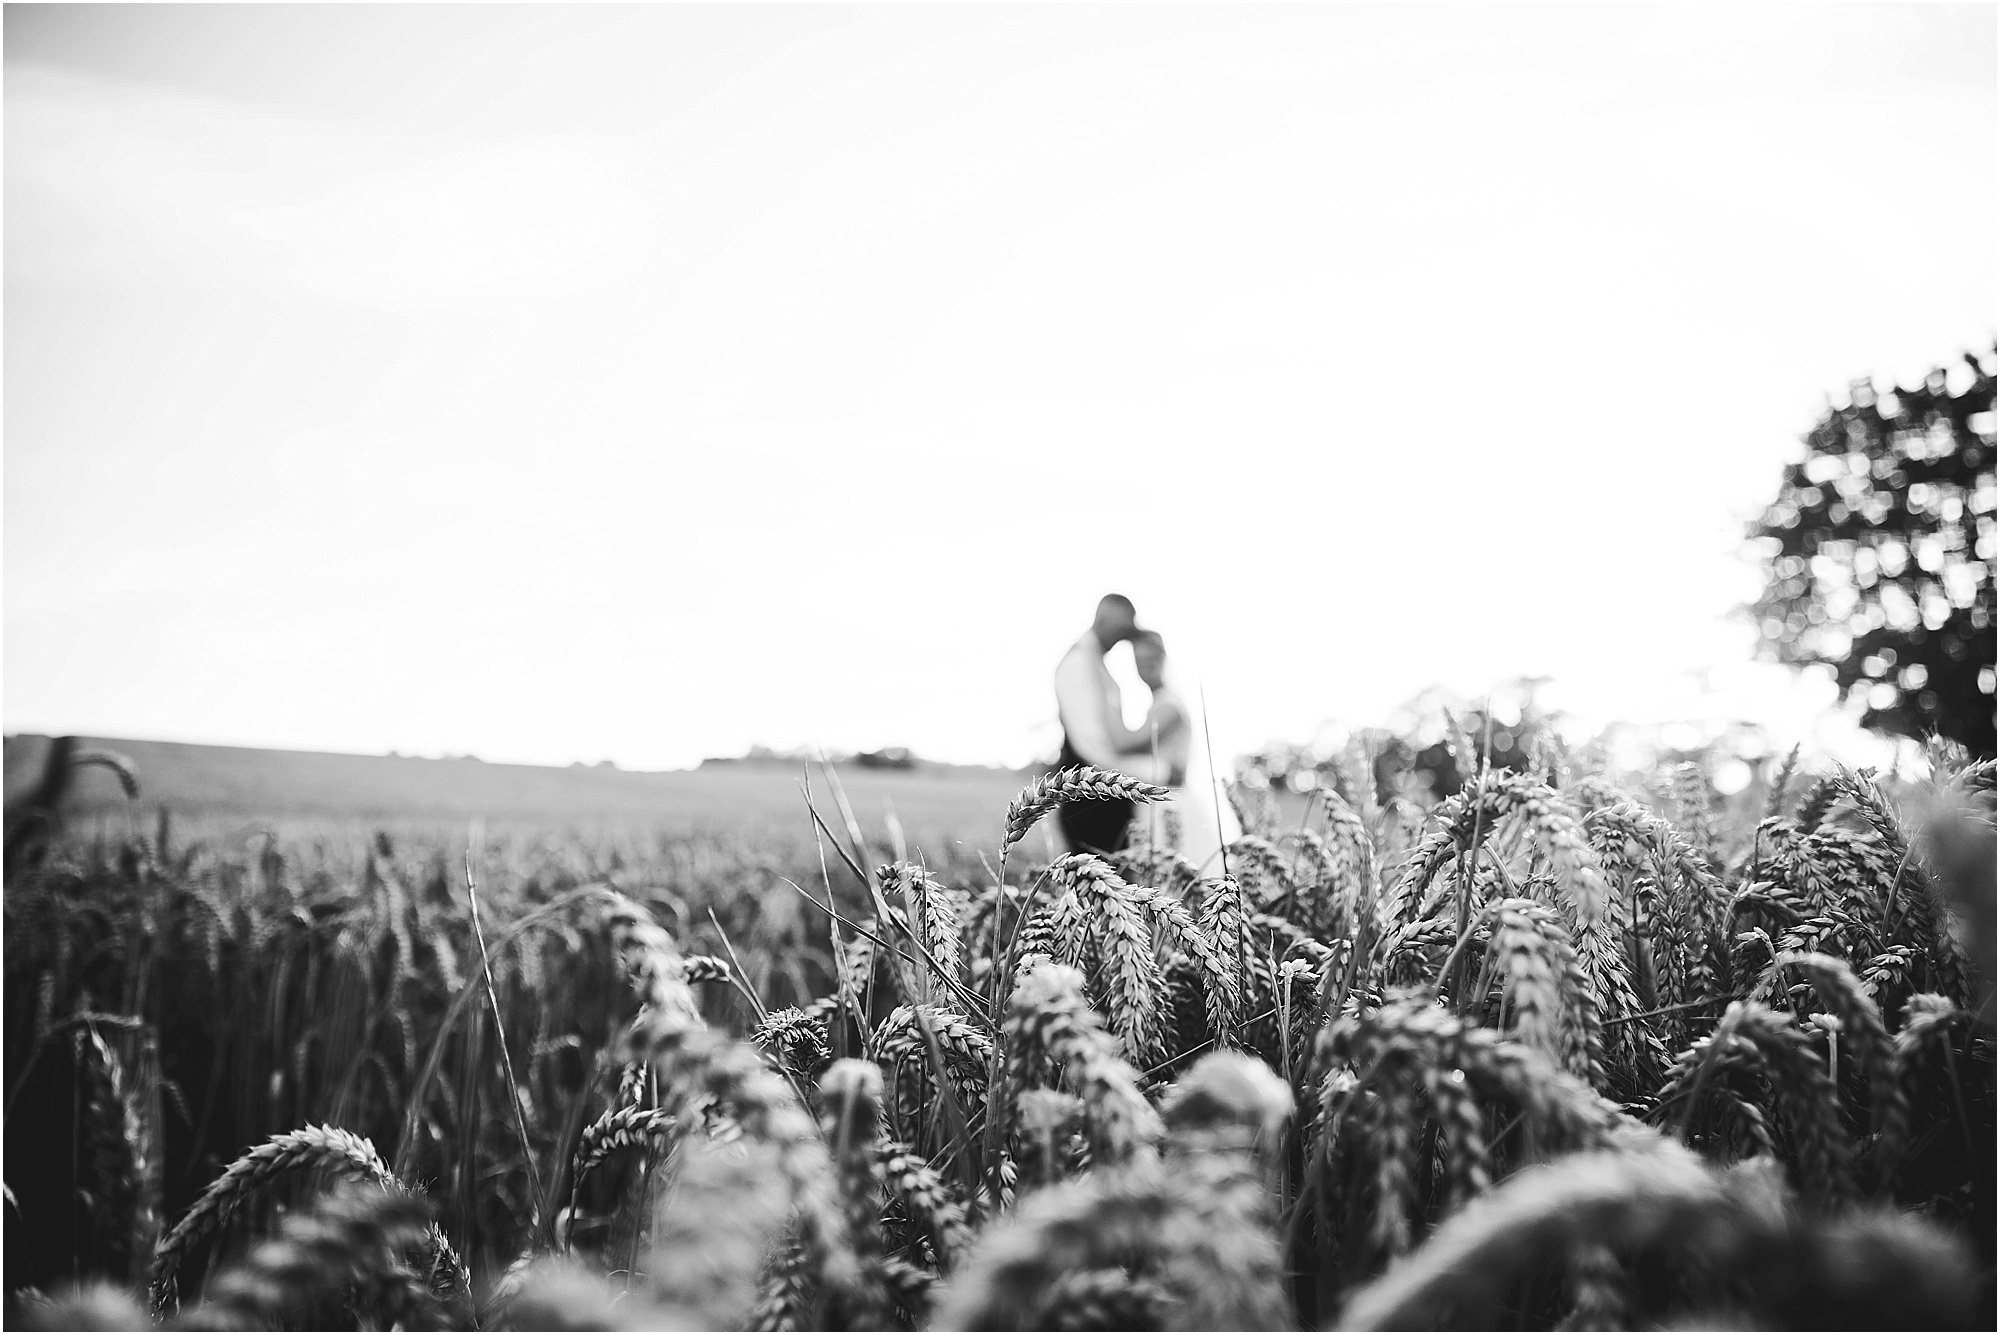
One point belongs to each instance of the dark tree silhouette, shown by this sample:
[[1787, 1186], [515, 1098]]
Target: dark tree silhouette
[[1880, 552]]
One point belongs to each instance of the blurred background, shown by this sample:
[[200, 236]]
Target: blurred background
[[652, 384]]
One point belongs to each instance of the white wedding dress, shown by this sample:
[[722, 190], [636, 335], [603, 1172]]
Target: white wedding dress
[[1196, 820]]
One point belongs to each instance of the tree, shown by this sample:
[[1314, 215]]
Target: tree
[[1881, 547]]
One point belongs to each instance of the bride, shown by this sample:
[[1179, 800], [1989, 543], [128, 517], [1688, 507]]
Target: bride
[[1196, 820]]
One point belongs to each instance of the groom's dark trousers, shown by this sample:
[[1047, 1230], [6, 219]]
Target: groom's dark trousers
[[1092, 827]]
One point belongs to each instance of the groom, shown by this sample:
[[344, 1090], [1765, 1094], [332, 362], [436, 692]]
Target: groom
[[1094, 731]]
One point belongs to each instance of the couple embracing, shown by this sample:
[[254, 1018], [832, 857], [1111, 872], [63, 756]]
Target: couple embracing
[[1169, 748]]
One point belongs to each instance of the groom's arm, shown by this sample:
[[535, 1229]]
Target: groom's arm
[[1098, 739]]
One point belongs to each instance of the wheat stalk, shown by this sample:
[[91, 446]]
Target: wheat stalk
[[1218, 1266], [930, 906], [796, 1040], [622, 1128], [114, 1136], [312, 1149], [1048, 1127], [1049, 1020], [924, 1197], [1078, 783], [1478, 808], [1558, 1111], [1753, 1037], [1627, 1201], [711, 1231], [764, 1105], [351, 1245], [1260, 864], [851, 1121], [663, 1005], [1107, 1299], [554, 1294], [1543, 982], [900, 1044], [1595, 1287], [1861, 1025], [89, 1305]]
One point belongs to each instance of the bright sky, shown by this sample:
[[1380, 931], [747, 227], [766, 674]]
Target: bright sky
[[577, 382]]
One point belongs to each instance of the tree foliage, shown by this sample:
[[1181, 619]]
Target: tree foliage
[[1881, 546]]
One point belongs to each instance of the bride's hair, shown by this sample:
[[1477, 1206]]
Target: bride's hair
[[1147, 644]]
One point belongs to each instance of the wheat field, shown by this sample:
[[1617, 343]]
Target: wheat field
[[1567, 1049]]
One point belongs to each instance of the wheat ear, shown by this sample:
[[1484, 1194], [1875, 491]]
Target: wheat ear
[[796, 1040], [712, 1230], [114, 1136], [925, 1198], [1595, 1289], [1477, 809], [313, 1149], [851, 1121], [1351, 863], [1545, 986], [1624, 1200], [93, 1305], [1230, 1096], [1861, 1025], [1048, 1019], [1774, 800], [1752, 1036], [663, 1008], [931, 908], [1107, 1299], [1220, 1269], [1078, 783], [1131, 973], [899, 1044], [622, 1129], [351, 1244], [764, 1105], [553, 1294]]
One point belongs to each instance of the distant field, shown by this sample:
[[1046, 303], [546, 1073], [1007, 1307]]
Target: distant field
[[224, 785]]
